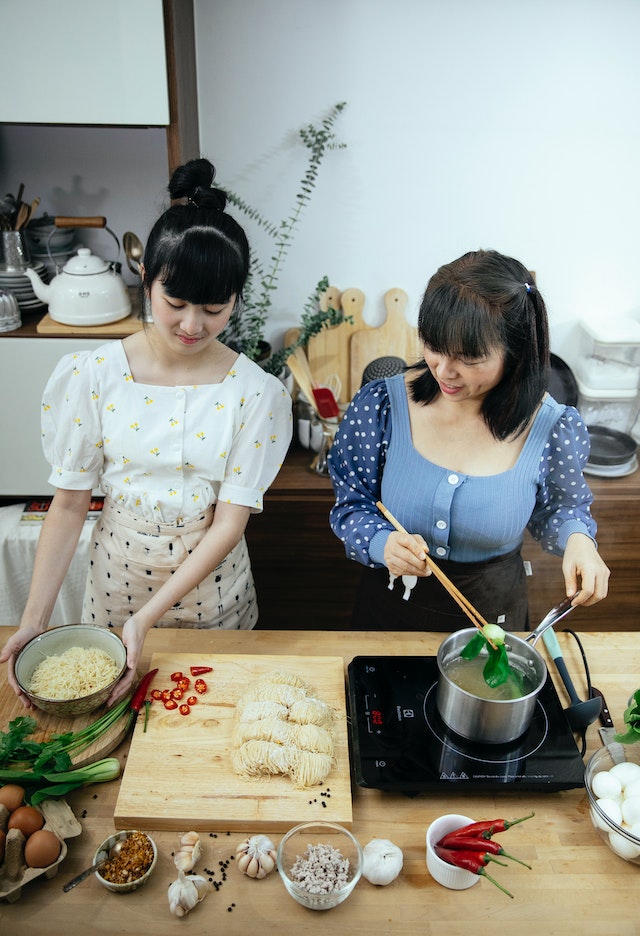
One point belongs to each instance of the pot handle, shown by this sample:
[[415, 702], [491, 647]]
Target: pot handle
[[561, 610]]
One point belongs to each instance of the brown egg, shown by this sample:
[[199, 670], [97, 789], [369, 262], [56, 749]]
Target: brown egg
[[42, 849], [11, 796], [26, 818]]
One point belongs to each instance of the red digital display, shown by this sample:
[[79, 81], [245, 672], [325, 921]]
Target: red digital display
[[376, 717]]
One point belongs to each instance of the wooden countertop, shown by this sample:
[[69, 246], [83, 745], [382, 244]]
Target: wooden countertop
[[576, 882]]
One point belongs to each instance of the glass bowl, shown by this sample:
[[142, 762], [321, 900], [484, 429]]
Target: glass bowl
[[444, 873], [54, 642], [616, 816], [136, 863], [320, 864]]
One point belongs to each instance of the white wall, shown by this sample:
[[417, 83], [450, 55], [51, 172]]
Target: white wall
[[510, 124]]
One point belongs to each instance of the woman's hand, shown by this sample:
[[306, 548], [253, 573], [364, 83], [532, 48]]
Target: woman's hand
[[406, 554], [133, 634], [584, 570], [9, 652]]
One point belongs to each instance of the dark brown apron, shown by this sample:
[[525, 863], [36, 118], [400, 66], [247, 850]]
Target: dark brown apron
[[497, 589]]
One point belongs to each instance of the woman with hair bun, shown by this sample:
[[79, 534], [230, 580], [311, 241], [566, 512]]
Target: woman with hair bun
[[467, 450], [182, 434]]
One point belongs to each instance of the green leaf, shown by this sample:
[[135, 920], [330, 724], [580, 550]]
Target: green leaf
[[496, 670], [471, 650]]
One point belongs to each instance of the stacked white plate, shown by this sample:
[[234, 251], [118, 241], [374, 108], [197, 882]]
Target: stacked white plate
[[18, 283]]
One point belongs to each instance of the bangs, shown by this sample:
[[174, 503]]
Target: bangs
[[457, 323], [194, 272]]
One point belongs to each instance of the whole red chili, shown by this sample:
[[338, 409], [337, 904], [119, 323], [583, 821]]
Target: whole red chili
[[200, 686], [200, 670], [488, 827], [473, 861], [140, 694], [469, 843]]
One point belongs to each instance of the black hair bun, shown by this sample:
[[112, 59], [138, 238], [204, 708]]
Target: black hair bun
[[194, 182]]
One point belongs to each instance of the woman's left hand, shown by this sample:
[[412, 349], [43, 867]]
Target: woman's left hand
[[133, 634], [584, 570]]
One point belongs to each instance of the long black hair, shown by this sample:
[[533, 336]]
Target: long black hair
[[198, 251], [479, 303]]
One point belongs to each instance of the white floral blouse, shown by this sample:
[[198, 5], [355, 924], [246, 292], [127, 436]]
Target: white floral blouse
[[165, 453]]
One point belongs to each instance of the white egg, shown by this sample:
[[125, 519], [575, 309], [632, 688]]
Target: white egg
[[634, 830], [605, 785], [623, 847], [631, 810], [611, 809], [632, 790], [626, 772]]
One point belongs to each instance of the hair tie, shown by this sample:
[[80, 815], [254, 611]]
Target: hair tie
[[528, 287]]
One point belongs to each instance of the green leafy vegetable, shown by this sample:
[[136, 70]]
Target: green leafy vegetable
[[631, 721], [497, 670]]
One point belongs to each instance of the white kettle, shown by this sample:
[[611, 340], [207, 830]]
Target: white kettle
[[88, 290]]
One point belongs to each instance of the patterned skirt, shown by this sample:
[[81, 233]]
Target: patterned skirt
[[130, 558]]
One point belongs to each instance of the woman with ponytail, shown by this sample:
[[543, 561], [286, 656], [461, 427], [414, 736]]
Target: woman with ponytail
[[467, 450]]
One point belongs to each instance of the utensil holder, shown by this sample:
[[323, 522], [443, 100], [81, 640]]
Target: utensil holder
[[15, 253]]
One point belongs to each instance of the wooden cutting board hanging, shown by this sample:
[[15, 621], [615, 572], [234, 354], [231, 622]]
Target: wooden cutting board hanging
[[328, 352], [395, 337]]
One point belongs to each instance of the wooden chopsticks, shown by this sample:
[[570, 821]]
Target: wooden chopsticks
[[474, 616]]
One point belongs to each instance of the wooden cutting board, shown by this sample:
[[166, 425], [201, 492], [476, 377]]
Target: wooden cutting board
[[395, 337], [126, 326], [11, 707], [178, 775], [328, 352]]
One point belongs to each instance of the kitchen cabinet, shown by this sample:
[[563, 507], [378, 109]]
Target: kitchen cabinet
[[103, 64], [89, 62], [304, 579]]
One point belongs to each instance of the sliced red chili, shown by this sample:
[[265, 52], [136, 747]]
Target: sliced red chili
[[176, 676], [170, 704], [177, 694], [183, 683], [192, 700], [166, 694], [200, 686], [156, 694], [184, 709], [200, 670]]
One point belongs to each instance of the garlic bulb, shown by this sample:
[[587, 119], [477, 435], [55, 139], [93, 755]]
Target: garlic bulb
[[256, 856], [189, 852], [382, 861], [186, 892]]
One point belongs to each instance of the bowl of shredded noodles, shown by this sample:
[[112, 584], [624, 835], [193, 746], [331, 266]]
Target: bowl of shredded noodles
[[71, 670]]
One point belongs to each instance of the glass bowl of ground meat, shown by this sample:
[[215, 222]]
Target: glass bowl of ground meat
[[320, 864], [132, 866]]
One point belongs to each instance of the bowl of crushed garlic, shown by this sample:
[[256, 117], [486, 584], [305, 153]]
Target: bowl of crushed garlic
[[132, 866], [71, 670], [320, 863]]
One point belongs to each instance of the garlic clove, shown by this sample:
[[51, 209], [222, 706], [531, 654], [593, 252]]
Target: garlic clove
[[189, 852]]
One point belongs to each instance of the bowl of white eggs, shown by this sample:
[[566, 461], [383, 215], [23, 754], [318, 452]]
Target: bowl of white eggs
[[612, 781]]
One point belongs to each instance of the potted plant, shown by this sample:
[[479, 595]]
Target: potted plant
[[245, 331]]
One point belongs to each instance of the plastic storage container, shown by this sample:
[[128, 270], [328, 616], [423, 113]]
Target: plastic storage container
[[610, 354], [615, 409]]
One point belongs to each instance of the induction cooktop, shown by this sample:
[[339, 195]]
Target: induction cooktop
[[400, 743]]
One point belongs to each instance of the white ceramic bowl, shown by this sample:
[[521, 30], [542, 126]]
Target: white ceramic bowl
[[442, 871], [53, 643], [104, 850], [295, 844], [618, 835]]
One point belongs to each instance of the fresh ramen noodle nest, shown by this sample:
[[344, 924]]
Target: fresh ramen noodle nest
[[78, 672], [283, 730]]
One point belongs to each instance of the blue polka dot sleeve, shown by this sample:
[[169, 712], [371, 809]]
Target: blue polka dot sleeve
[[356, 462], [563, 503]]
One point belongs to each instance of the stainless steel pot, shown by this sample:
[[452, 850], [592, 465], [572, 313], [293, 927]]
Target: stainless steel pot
[[487, 720]]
